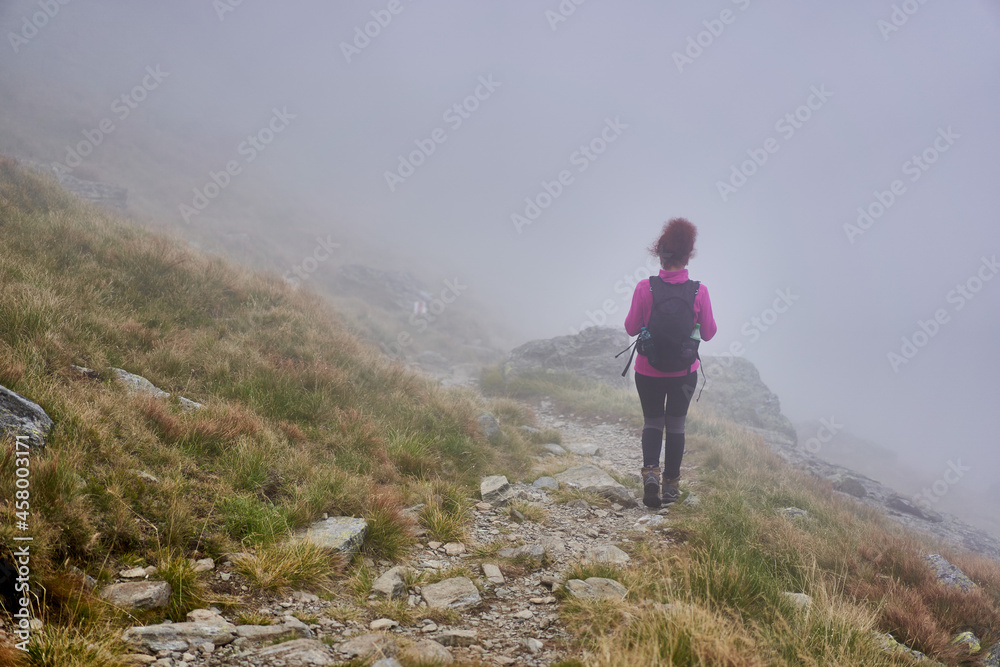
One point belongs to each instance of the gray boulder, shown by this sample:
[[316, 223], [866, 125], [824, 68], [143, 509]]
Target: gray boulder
[[949, 574], [596, 588], [428, 651], [489, 424], [495, 489], [582, 448], [455, 593], [22, 417], [901, 504], [606, 553], [341, 534], [136, 384], [391, 584], [365, 646], [202, 628], [546, 483], [589, 354], [138, 594]]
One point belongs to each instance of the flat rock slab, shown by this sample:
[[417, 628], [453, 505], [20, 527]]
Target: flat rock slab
[[495, 489], [138, 594], [428, 651], [553, 448], [21, 416], [458, 638], [366, 646], [136, 384], [296, 653], [584, 476], [493, 573], [455, 592], [582, 449], [949, 574], [546, 483], [596, 588], [606, 553], [342, 534], [179, 636], [616, 494], [270, 634]]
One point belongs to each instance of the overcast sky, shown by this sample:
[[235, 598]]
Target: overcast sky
[[766, 124]]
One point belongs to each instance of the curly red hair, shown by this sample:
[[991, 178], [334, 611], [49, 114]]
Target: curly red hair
[[675, 247]]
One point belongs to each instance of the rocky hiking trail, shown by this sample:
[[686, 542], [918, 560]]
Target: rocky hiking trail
[[491, 601], [504, 611]]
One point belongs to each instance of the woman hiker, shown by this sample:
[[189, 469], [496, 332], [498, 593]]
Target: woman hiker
[[666, 395]]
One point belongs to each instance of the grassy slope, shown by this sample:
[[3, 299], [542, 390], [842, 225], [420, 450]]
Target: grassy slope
[[734, 555], [302, 418]]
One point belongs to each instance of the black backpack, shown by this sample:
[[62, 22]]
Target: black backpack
[[666, 340]]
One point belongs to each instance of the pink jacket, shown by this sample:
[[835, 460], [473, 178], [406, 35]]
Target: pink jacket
[[642, 304]]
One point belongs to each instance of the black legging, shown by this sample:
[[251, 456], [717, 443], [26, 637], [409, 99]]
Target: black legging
[[665, 402]]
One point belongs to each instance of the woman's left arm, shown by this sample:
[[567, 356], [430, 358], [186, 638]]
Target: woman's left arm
[[705, 317]]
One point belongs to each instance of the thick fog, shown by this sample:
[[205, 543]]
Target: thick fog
[[839, 160]]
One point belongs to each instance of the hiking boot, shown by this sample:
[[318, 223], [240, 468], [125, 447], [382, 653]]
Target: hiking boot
[[671, 490], [651, 487]]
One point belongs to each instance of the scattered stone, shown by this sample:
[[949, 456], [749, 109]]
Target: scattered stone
[[551, 581], [493, 574], [434, 545], [204, 565], [615, 493], [187, 405], [483, 507], [586, 476], [792, 512], [138, 594], [553, 448], [342, 534], [455, 592], [525, 615], [387, 662], [454, 549], [490, 425], [517, 516], [134, 573], [852, 486], [949, 574], [901, 504], [88, 581], [392, 584], [650, 521], [528, 550], [146, 477], [533, 645], [889, 645], [992, 658], [296, 653], [366, 646], [495, 489], [22, 417], [430, 627], [545, 600], [136, 384], [304, 597], [259, 635], [552, 545], [800, 600], [596, 588], [458, 637], [382, 624], [606, 553], [85, 372], [428, 651], [578, 504], [969, 641], [546, 483], [582, 449], [692, 500]]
